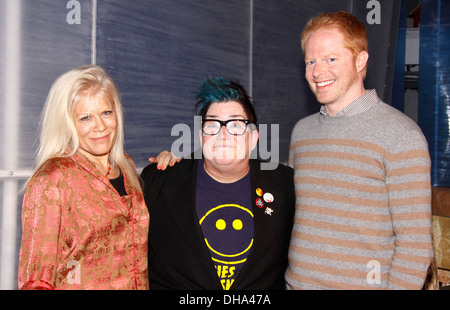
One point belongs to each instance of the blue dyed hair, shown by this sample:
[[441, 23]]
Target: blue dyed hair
[[220, 89]]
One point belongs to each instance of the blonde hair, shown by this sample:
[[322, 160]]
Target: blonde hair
[[354, 32], [58, 135]]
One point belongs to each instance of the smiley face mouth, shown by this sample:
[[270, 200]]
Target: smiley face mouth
[[228, 255]]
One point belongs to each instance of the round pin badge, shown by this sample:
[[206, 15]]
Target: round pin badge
[[259, 192], [268, 197], [259, 202]]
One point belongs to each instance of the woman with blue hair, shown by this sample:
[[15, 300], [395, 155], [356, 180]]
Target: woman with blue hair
[[220, 222]]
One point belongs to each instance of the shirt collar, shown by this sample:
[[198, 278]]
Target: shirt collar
[[87, 165], [360, 105]]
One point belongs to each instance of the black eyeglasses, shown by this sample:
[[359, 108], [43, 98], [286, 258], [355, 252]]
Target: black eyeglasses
[[235, 127]]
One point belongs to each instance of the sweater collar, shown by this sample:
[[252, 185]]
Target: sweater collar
[[360, 105]]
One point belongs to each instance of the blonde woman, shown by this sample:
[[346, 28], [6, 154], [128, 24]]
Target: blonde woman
[[85, 223]]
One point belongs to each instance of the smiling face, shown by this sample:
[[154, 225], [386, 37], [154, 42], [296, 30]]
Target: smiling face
[[334, 74], [96, 124], [230, 221]]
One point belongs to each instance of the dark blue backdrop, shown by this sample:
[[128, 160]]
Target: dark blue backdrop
[[158, 52]]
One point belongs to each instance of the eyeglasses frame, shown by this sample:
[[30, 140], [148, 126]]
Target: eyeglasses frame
[[225, 123]]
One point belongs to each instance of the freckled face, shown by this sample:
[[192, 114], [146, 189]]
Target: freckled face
[[96, 124]]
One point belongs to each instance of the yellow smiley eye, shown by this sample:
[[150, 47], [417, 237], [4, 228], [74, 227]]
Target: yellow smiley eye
[[220, 224], [237, 224]]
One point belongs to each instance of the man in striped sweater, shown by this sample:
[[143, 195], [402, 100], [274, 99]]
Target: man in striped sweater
[[362, 175]]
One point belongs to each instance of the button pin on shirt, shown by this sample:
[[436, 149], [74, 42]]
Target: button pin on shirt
[[259, 202], [268, 211], [259, 192], [268, 197]]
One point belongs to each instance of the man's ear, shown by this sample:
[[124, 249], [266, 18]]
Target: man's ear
[[361, 61]]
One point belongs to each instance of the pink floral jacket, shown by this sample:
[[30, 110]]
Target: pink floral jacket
[[79, 233]]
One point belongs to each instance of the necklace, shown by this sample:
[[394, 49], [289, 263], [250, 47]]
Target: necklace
[[109, 168]]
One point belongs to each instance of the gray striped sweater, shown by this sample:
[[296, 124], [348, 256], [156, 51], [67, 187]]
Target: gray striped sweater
[[363, 207]]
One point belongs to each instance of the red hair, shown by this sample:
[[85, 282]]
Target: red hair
[[354, 32]]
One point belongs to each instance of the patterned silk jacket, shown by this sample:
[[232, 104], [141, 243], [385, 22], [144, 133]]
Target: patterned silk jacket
[[79, 233]]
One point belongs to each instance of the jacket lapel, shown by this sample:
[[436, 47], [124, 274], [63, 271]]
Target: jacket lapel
[[179, 191], [262, 221]]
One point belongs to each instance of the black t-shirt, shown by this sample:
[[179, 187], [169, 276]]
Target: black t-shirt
[[119, 184], [226, 218]]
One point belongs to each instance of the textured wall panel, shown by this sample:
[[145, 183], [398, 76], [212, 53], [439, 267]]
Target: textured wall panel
[[43, 46], [382, 44], [159, 52], [281, 92]]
